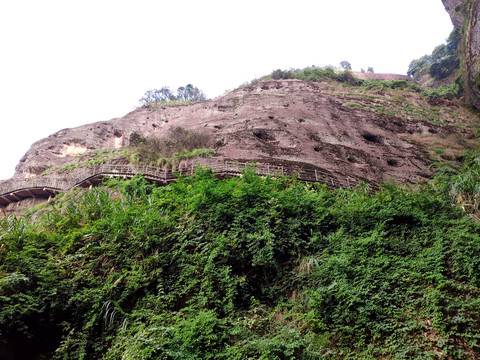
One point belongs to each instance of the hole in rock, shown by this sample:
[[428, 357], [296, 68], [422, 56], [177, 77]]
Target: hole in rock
[[371, 137], [264, 135]]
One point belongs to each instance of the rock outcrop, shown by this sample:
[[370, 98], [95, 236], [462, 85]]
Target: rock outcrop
[[465, 16], [278, 121], [376, 136], [453, 8]]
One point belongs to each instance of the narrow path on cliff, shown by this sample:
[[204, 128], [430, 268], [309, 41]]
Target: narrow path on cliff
[[45, 188]]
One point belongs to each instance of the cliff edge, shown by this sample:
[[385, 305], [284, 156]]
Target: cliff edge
[[370, 134], [465, 16]]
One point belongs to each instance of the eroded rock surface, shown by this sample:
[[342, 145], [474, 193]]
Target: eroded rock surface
[[465, 15], [454, 9], [282, 122]]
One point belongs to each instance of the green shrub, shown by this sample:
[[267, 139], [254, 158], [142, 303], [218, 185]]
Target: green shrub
[[248, 267], [444, 92], [316, 74], [382, 85]]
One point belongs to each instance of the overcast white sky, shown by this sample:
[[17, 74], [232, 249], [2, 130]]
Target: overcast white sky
[[65, 63]]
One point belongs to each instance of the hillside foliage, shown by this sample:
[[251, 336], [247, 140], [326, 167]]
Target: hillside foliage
[[242, 268], [441, 63], [347, 78]]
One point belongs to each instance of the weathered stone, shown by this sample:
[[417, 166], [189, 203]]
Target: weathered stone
[[465, 15], [471, 54], [454, 9], [269, 121]]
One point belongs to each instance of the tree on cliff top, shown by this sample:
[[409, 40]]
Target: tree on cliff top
[[346, 65], [441, 63], [184, 93]]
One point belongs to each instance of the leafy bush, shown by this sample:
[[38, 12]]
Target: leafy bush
[[316, 74], [250, 267], [444, 92], [463, 186], [382, 85]]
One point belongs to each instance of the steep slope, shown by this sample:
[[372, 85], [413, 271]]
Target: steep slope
[[374, 134], [241, 268]]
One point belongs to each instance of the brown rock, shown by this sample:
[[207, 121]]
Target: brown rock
[[453, 8], [285, 121]]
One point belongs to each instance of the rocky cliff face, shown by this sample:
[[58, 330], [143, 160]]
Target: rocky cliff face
[[379, 136], [453, 7], [375, 136], [465, 15], [290, 121], [472, 54]]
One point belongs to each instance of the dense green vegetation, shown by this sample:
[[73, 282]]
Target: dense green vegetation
[[347, 78], [441, 63], [317, 74], [463, 187], [243, 268]]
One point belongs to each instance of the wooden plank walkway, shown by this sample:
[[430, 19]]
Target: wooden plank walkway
[[44, 188]]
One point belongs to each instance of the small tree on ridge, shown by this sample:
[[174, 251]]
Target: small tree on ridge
[[184, 93]]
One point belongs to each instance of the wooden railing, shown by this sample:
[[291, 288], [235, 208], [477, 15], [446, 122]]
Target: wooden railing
[[85, 176]]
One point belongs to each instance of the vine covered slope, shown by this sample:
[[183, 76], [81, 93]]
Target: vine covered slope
[[250, 267]]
